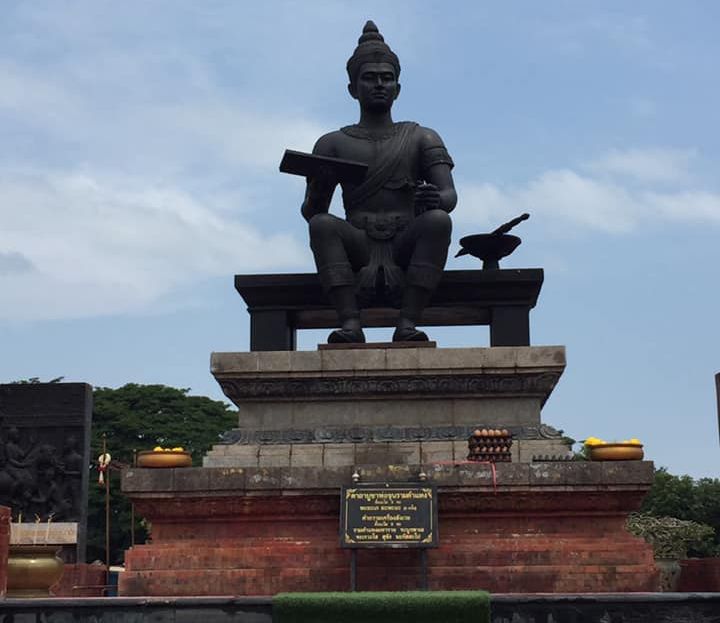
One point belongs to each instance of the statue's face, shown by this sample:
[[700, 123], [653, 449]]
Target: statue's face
[[376, 86]]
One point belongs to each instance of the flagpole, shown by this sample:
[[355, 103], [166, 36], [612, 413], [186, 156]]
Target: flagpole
[[132, 508], [107, 516]]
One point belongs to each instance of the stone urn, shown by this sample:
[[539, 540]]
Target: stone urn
[[669, 574], [32, 570]]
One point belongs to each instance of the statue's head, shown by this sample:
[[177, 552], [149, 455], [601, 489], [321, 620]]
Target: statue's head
[[373, 70]]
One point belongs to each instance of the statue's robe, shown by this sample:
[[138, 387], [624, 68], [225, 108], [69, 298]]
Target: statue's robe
[[379, 216]]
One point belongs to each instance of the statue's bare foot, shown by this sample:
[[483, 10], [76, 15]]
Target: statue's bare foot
[[409, 334], [347, 336]]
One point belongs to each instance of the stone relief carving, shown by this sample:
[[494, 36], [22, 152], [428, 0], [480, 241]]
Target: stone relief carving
[[531, 383], [38, 479], [548, 432], [378, 434]]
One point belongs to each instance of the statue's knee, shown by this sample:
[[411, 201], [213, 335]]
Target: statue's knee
[[437, 222], [321, 226]]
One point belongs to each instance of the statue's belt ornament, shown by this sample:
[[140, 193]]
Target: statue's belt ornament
[[380, 226]]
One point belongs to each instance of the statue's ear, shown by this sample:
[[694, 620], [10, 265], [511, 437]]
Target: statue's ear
[[398, 90], [352, 90]]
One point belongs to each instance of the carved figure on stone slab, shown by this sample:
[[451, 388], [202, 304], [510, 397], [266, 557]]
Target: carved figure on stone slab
[[49, 499], [33, 480], [8, 483], [391, 248], [72, 471], [20, 463]]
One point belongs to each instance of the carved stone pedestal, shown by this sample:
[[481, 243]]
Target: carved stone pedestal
[[383, 406], [262, 515]]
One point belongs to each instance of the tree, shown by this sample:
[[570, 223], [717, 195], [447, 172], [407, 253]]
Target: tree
[[683, 497], [140, 417], [669, 536]]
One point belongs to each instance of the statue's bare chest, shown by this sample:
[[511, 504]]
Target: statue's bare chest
[[360, 150]]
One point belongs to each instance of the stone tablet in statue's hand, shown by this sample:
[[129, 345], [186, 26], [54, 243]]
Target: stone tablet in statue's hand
[[322, 185], [427, 197]]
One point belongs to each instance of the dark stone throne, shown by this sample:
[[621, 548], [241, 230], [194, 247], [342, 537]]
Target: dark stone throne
[[281, 304]]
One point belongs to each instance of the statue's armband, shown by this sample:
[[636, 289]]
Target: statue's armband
[[435, 155], [436, 166]]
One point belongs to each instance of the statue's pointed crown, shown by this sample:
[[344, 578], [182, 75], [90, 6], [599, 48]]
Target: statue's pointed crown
[[371, 48]]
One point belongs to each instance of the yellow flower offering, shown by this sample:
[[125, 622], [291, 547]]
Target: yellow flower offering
[[595, 441]]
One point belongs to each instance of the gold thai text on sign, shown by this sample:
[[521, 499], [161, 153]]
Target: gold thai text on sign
[[389, 516]]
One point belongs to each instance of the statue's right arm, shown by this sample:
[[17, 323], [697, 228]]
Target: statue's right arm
[[320, 189]]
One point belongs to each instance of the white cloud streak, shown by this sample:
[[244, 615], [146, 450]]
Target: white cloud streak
[[100, 246], [647, 165], [621, 194]]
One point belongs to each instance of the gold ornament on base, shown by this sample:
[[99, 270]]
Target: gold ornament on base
[[164, 457]]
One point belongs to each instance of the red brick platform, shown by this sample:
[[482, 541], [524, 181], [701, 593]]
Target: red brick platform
[[547, 527], [81, 580], [700, 575]]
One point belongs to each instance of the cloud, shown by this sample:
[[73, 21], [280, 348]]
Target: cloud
[[101, 245], [129, 174], [239, 136], [26, 91], [621, 194], [647, 165], [134, 159], [689, 206], [14, 263], [563, 196], [162, 137]]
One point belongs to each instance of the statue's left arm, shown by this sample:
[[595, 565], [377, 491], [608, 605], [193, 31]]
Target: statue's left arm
[[320, 189], [436, 169]]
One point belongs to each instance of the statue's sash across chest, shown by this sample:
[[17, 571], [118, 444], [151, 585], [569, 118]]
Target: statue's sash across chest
[[404, 172], [372, 151]]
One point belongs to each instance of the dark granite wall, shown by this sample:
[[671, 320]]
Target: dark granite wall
[[45, 452], [608, 608], [4, 548]]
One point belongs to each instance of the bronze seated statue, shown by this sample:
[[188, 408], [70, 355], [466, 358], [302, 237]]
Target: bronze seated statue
[[392, 246]]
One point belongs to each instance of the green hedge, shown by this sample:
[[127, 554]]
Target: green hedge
[[382, 607]]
